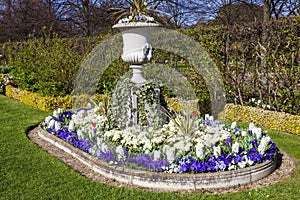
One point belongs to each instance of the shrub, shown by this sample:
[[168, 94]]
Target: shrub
[[48, 68], [279, 121]]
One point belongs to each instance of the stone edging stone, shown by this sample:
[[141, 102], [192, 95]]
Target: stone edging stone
[[163, 181]]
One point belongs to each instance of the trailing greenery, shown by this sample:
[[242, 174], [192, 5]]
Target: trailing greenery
[[29, 172], [148, 104]]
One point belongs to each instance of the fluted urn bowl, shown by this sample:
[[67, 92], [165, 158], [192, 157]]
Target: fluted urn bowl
[[136, 41]]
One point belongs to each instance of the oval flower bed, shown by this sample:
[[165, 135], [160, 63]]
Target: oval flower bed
[[187, 144]]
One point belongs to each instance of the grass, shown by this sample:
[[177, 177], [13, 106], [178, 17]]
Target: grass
[[28, 172]]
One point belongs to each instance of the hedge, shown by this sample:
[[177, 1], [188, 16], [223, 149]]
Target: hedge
[[279, 121], [38, 101], [47, 103], [268, 119]]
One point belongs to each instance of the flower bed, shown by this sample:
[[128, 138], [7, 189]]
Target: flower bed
[[187, 144]]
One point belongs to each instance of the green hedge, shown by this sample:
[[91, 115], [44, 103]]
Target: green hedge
[[48, 67], [256, 61]]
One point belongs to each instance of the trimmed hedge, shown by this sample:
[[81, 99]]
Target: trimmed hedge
[[38, 101], [47, 103], [279, 121], [268, 119]]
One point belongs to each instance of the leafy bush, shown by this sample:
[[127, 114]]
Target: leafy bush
[[48, 68], [256, 61]]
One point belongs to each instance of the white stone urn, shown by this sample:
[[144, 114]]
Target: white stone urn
[[137, 48]]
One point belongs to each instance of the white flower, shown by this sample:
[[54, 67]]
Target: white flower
[[257, 132], [206, 116], [51, 123], [170, 155], [71, 126], [258, 102], [55, 114], [200, 150], [250, 162], [158, 140], [147, 145], [235, 147], [179, 145], [120, 152], [244, 133], [242, 164], [157, 155], [233, 125], [57, 125], [188, 146], [231, 167], [47, 119], [116, 135], [263, 144], [251, 126], [217, 151], [104, 148], [80, 134], [60, 110]]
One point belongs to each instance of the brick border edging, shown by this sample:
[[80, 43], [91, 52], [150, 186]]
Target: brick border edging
[[163, 181]]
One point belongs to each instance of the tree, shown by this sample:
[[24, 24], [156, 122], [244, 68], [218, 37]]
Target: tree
[[90, 17], [25, 18], [180, 13], [239, 13]]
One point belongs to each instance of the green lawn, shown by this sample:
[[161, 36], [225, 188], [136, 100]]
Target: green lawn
[[28, 172]]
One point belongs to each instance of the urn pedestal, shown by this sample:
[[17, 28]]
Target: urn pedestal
[[137, 48]]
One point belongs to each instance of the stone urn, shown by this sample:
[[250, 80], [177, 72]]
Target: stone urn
[[137, 48]]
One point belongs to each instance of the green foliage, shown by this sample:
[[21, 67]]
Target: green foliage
[[148, 103], [4, 69], [188, 71], [111, 76], [256, 61], [47, 67]]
